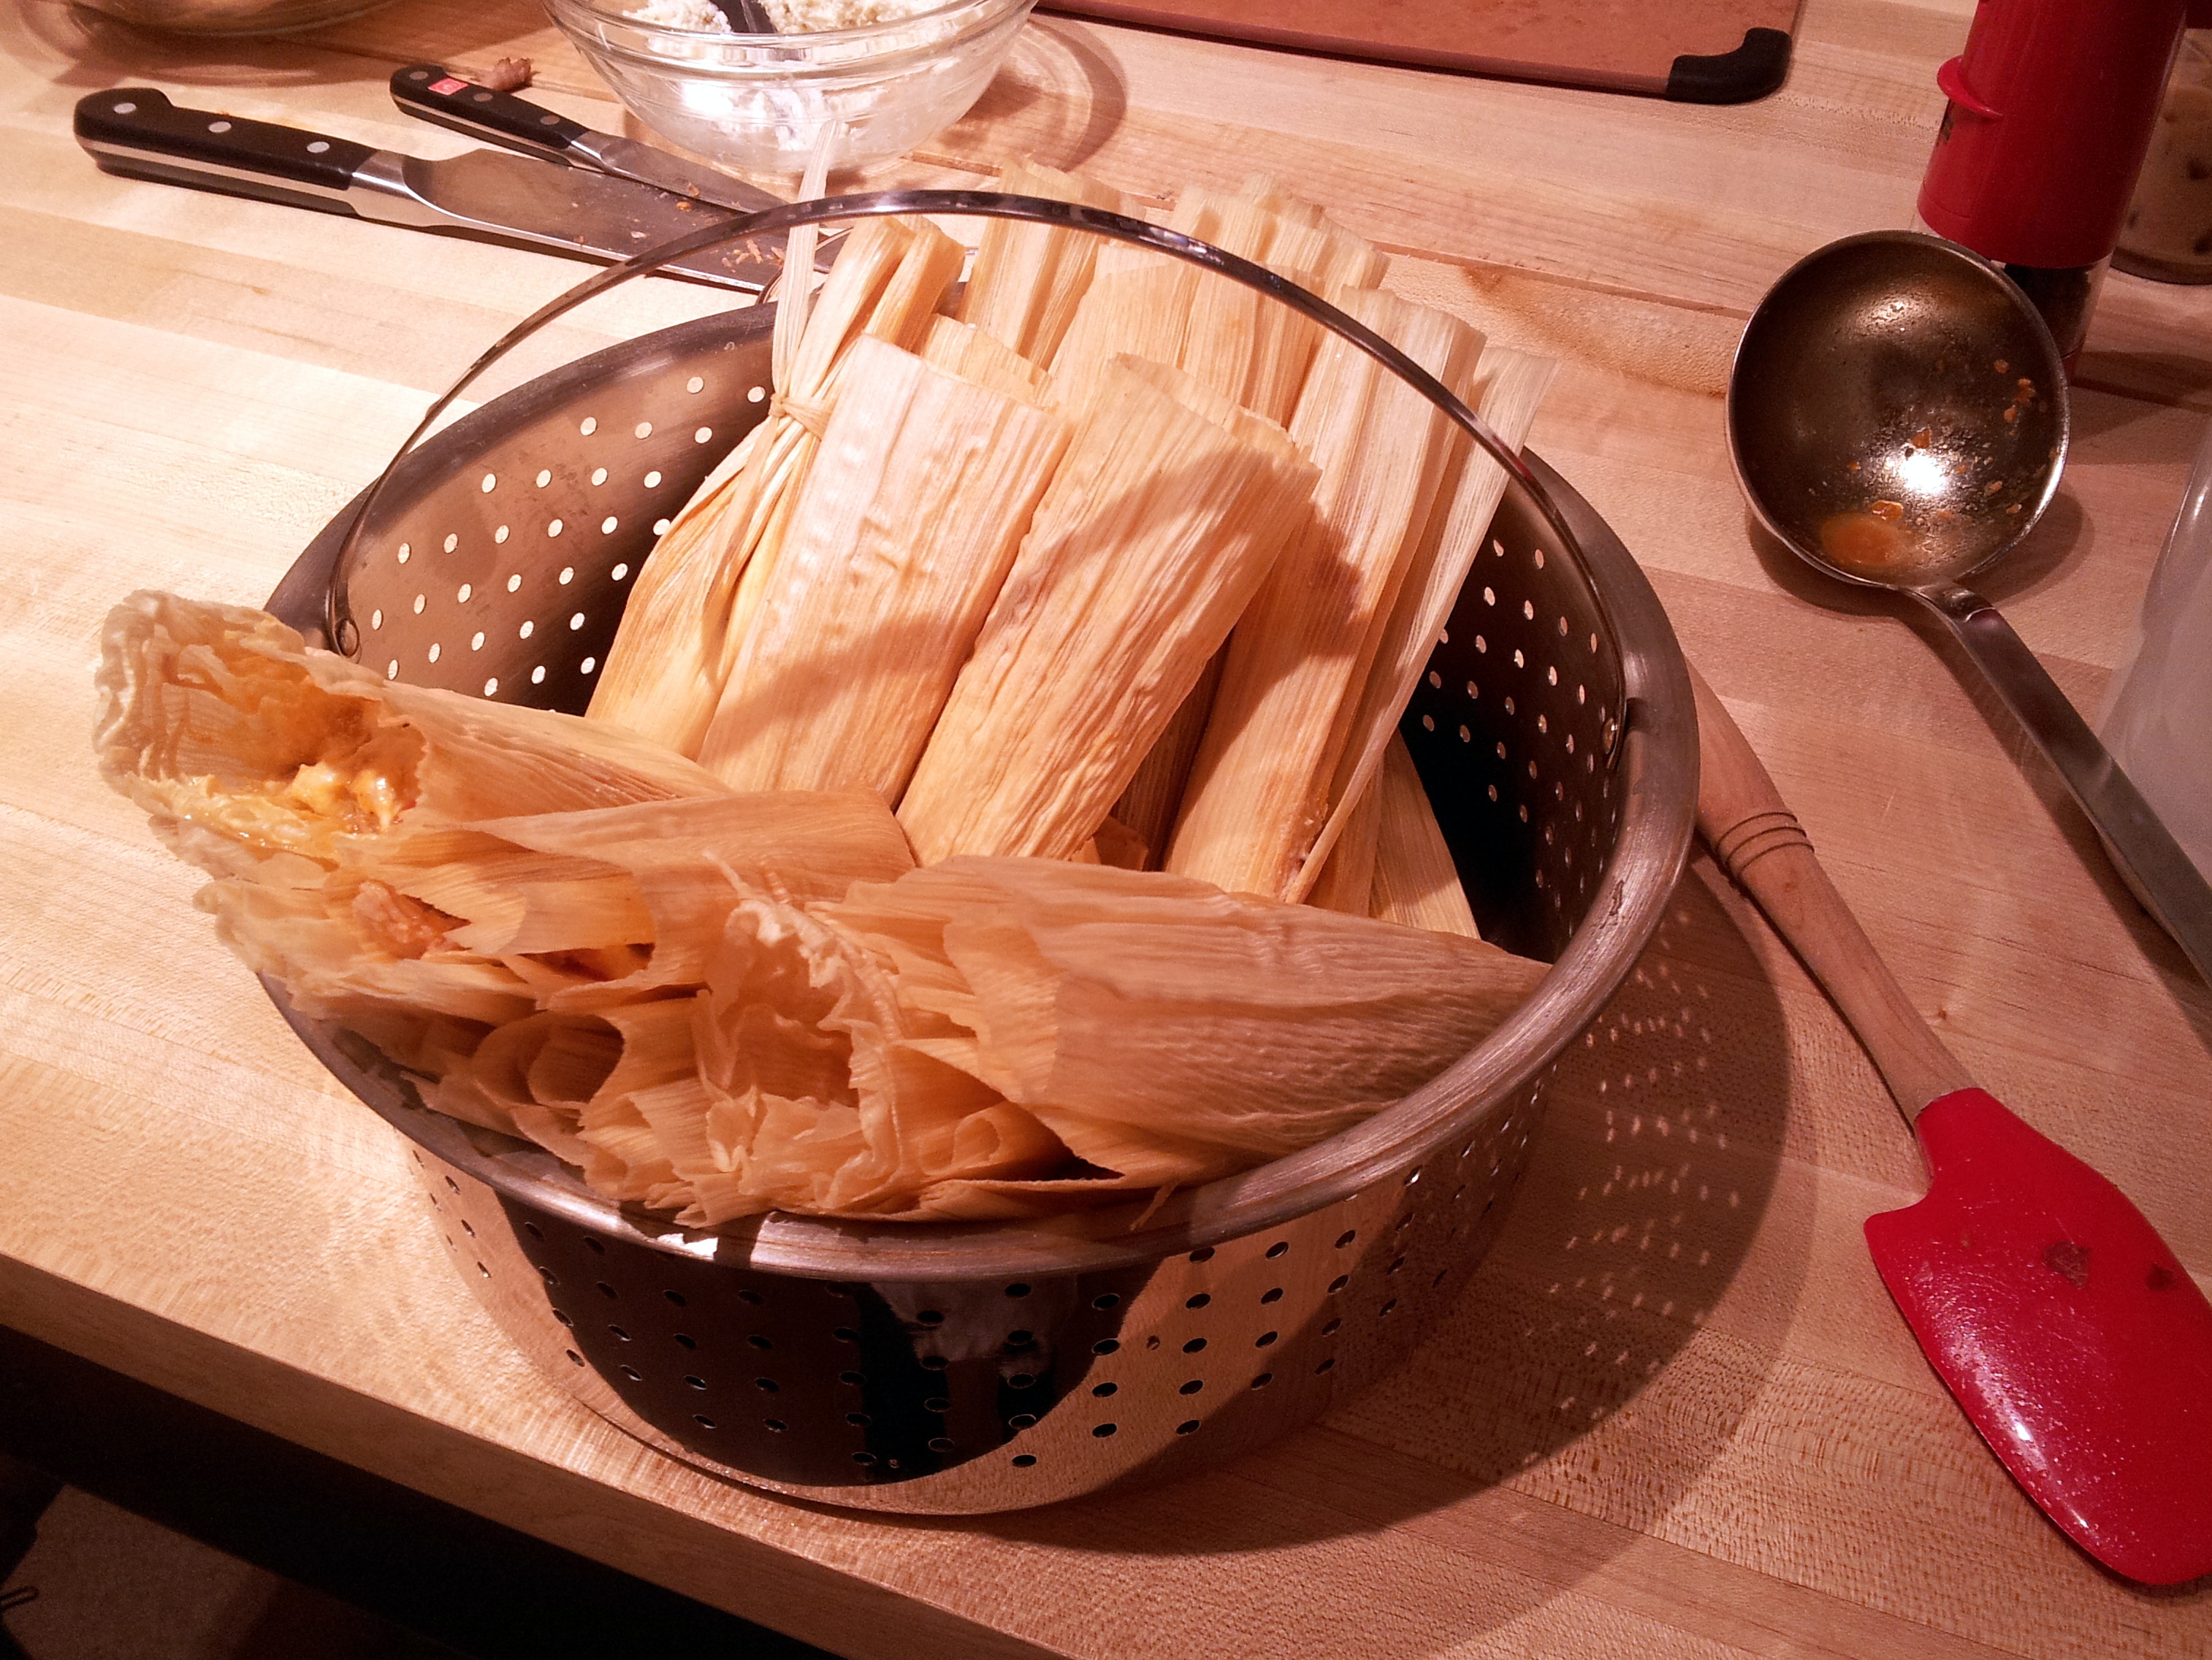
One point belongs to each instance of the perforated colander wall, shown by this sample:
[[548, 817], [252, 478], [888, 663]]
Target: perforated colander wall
[[909, 1390]]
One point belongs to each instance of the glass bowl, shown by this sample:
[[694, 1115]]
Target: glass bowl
[[760, 103]]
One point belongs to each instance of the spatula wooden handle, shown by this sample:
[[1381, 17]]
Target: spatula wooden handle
[[1760, 843]]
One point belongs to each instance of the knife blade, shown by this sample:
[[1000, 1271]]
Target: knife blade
[[434, 94], [138, 132]]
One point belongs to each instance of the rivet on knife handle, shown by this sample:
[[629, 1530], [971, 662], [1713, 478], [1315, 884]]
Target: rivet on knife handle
[[436, 94]]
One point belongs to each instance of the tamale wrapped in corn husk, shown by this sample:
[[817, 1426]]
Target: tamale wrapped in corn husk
[[1416, 882], [920, 494], [1508, 386], [1258, 795], [243, 744], [1029, 278], [1161, 522], [687, 612], [1140, 309], [1166, 1030], [970, 353], [1147, 806]]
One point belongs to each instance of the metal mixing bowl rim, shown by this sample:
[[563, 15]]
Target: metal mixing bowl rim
[[1655, 752]]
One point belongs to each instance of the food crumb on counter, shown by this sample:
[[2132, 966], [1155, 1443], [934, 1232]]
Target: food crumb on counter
[[508, 74]]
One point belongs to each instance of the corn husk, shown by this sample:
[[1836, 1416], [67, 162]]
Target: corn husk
[[1416, 881], [1347, 882], [968, 352], [1029, 278], [686, 615], [1258, 796], [1166, 1031], [1147, 806], [248, 748], [1508, 386], [1156, 530], [920, 492]]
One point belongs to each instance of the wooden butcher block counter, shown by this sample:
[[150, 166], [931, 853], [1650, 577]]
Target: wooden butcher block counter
[[1673, 1414]]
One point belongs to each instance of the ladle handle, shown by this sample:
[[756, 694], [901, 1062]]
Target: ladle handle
[[1759, 842], [2148, 856]]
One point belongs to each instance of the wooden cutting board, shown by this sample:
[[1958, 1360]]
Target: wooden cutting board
[[1706, 52]]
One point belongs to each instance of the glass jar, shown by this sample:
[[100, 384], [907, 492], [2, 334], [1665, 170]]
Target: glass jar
[[2167, 234]]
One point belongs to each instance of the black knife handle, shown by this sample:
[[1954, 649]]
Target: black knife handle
[[436, 94], [136, 130]]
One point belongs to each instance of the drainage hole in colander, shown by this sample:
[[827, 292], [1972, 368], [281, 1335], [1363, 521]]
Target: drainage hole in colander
[[561, 1316], [589, 425], [1105, 1299], [1265, 1338], [935, 1362], [1346, 1238], [687, 1340], [754, 394], [1387, 1307], [574, 1358], [1102, 1431], [1018, 1289], [846, 1335], [1021, 1380], [1186, 1426], [453, 1184], [1104, 1390], [1021, 1420], [1020, 1339], [1104, 1346], [759, 1342], [766, 1385], [606, 1290], [1263, 1380], [702, 1421], [675, 1297], [858, 1419], [775, 1424], [929, 1316], [1024, 1460], [1193, 1345], [1329, 1326], [696, 1383], [1203, 1254], [855, 1378], [548, 1275], [620, 1333], [750, 1296], [1439, 1280], [1325, 1366], [937, 1403], [1278, 1248], [940, 1444], [1396, 1263], [1192, 1387], [633, 1374], [1407, 1219], [468, 1227], [1199, 1301], [1272, 1296]]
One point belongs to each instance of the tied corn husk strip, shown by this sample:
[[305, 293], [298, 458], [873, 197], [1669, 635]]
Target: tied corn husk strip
[[1162, 519], [1258, 796], [1029, 278], [1416, 882], [907, 524], [686, 615], [1508, 385], [243, 745]]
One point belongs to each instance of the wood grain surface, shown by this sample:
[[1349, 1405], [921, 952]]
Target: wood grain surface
[[1675, 1414]]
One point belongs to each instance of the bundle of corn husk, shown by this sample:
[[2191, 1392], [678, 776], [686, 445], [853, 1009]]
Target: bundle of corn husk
[[716, 1004], [822, 908]]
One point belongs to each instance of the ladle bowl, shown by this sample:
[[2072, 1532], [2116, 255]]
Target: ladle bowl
[[1898, 417]]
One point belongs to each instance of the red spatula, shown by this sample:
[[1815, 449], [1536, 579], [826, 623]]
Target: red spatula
[[2079, 1347]]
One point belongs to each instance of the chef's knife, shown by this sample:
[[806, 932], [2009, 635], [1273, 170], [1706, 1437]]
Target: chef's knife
[[137, 131]]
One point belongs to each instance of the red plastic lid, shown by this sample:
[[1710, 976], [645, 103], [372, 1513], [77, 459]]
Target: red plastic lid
[[2052, 108]]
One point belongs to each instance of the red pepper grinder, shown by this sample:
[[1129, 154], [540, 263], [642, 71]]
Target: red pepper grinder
[[2052, 104]]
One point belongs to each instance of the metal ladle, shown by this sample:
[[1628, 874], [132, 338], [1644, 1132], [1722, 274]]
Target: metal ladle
[[1897, 418]]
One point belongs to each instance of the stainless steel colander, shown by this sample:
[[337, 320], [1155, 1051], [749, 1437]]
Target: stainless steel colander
[[951, 1369]]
